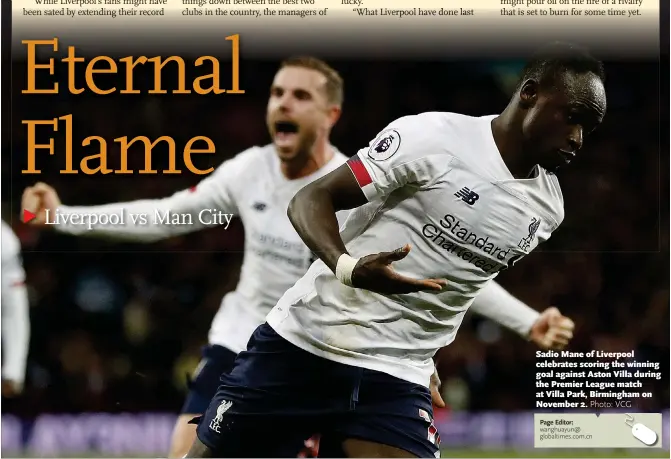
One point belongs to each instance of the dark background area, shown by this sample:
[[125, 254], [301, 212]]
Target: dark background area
[[115, 327]]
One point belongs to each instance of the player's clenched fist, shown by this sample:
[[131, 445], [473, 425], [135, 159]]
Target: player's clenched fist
[[375, 273], [38, 199], [552, 330]]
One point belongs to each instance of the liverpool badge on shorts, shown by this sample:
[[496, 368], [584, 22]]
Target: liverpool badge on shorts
[[215, 424]]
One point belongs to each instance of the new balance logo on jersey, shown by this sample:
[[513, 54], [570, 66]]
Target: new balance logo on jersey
[[468, 196], [525, 243], [215, 424], [260, 206]]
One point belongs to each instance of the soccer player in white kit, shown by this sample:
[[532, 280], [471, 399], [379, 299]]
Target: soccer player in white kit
[[15, 314], [257, 185], [348, 350]]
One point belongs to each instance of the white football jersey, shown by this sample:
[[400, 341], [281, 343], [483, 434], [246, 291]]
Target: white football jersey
[[15, 313], [250, 186], [438, 182]]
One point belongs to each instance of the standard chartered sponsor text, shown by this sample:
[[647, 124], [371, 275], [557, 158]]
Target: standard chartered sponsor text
[[595, 379], [452, 236]]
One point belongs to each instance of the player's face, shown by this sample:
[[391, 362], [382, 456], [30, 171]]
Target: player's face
[[298, 111], [561, 116]]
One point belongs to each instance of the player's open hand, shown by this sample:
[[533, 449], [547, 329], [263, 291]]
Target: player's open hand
[[374, 272], [552, 330], [39, 198]]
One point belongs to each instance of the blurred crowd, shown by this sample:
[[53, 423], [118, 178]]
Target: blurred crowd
[[117, 327]]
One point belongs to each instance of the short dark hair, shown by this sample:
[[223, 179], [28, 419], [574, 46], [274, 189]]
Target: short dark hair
[[551, 61], [334, 82]]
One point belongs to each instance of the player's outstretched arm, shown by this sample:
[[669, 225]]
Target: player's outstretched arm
[[15, 315], [548, 330], [146, 220], [312, 212]]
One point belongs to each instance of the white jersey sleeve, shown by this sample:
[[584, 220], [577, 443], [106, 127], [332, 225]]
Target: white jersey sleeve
[[401, 155], [495, 303], [15, 313], [214, 192]]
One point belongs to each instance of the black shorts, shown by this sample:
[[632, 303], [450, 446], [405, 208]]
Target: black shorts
[[278, 395], [214, 361]]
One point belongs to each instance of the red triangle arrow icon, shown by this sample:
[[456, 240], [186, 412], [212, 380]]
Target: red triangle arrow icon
[[28, 216]]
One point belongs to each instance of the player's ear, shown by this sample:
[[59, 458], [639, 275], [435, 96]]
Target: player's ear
[[334, 114], [529, 93]]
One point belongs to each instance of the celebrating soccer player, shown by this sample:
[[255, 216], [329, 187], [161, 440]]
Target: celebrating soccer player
[[444, 202]]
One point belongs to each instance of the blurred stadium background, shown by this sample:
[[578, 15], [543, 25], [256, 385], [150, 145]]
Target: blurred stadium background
[[116, 327]]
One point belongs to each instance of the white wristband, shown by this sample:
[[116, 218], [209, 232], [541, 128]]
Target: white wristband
[[344, 269]]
